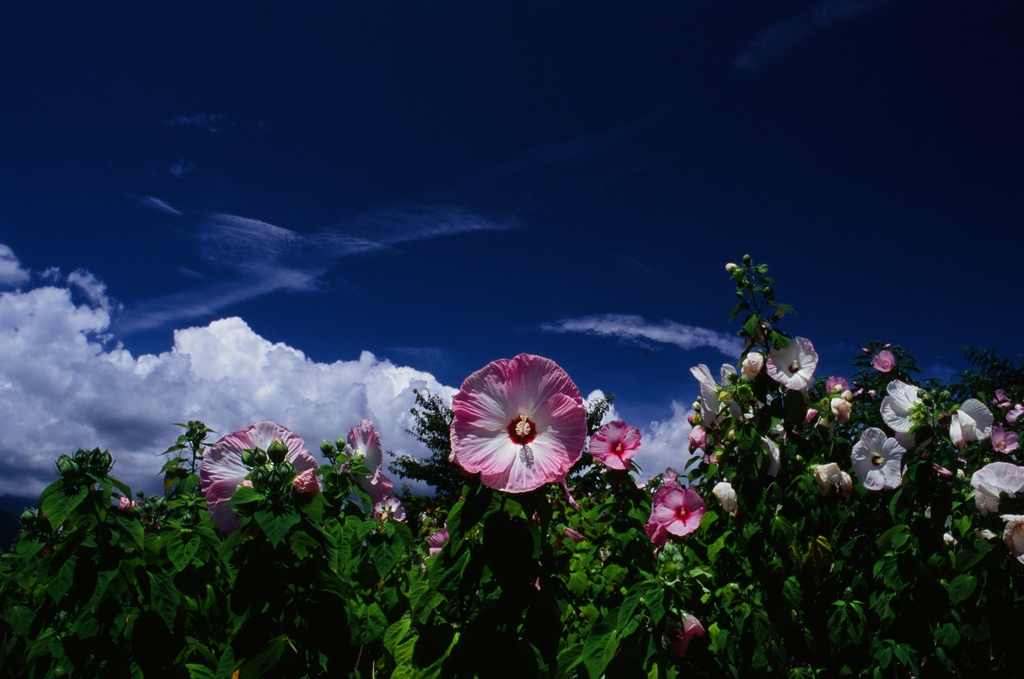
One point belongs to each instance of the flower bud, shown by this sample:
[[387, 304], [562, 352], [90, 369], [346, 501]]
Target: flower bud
[[846, 395], [747, 260], [779, 313], [66, 466], [248, 458], [28, 518], [327, 448], [726, 495], [306, 483], [276, 451], [730, 267], [286, 470], [341, 446], [752, 364], [845, 484]]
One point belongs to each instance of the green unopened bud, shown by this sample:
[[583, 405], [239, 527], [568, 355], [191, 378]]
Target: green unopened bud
[[746, 260], [248, 458], [28, 518], [341, 445], [65, 465], [327, 448], [276, 451], [286, 470], [103, 462]]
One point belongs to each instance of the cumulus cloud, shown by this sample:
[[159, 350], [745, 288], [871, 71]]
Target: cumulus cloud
[[634, 329], [790, 32], [665, 443], [64, 388], [11, 273]]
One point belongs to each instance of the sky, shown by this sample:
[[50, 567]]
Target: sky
[[238, 211]]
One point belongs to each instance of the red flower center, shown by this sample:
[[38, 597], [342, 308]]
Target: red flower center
[[794, 367], [877, 460], [522, 430], [683, 514], [618, 449]]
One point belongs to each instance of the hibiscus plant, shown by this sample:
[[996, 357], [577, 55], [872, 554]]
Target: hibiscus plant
[[867, 525]]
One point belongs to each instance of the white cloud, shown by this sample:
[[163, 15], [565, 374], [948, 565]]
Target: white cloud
[[156, 204], [665, 443], [635, 328], [11, 273], [262, 258], [787, 33], [215, 123], [63, 389]]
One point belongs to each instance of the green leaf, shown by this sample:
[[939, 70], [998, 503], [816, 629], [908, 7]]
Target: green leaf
[[58, 505], [599, 648], [61, 581], [947, 635], [196, 671], [396, 632], [886, 538], [276, 526], [20, 619], [263, 661], [164, 597], [384, 557], [372, 623], [27, 549], [792, 591], [961, 588]]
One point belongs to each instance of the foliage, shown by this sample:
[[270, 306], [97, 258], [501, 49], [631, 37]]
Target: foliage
[[807, 575]]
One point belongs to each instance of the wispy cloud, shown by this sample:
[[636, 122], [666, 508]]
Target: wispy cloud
[[799, 28], [156, 204], [252, 258], [637, 330], [214, 123], [181, 168]]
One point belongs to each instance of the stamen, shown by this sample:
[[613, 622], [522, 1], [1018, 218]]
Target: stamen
[[522, 427], [526, 455]]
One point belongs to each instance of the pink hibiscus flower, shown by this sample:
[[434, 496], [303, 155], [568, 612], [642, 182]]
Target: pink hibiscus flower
[[366, 442], [615, 444], [222, 471], [836, 384], [677, 511], [519, 423], [436, 541], [884, 361], [1004, 441], [691, 628]]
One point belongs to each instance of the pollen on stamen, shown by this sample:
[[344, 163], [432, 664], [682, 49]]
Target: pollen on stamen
[[523, 426], [794, 367]]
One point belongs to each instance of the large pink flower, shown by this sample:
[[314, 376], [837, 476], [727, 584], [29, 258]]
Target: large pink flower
[[615, 444], [366, 442], [677, 511], [793, 366], [222, 471], [519, 423], [877, 459]]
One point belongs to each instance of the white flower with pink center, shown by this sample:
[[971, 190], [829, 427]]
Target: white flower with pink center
[[793, 366], [876, 459], [994, 479], [390, 508], [363, 440], [1013, 534], [519, 423], [615, 444], [222, 472], [900, 406], [971, 422]]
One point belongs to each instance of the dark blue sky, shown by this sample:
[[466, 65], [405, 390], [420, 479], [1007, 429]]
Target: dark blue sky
[[437, 182]]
